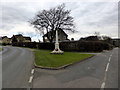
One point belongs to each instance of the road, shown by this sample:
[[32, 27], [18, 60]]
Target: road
[[16, 66], [100, 71]]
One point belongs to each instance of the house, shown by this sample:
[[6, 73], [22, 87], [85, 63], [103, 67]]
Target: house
[[27, 39], [5, 40], [15, 38], [0, 40], [62, 36], [20, 38], [90, 38], [116, 42]]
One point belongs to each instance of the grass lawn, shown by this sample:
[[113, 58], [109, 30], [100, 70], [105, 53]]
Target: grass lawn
[[45, 59], [1, 49]]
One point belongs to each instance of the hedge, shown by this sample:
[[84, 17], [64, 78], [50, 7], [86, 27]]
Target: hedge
[[25, 44], [85, 46], [79, 46]]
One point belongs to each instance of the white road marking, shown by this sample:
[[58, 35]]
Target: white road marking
[[32, 71], [107, 67], [30, 79], [103, 85], [105, 77], [109, 59]]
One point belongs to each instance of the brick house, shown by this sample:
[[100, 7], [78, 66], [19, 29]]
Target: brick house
[[14, 38], [5, 40], [62, 36], [20, 38]]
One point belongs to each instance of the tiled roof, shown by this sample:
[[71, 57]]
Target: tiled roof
[[27, 38]]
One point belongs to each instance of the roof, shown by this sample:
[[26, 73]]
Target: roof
[[4, 37], [54, 32], [27, 38], [19, 35], [90, 38]]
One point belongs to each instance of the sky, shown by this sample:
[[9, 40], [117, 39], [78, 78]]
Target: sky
[[89, 16]]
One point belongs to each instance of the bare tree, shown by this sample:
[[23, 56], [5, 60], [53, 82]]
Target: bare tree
[[53, 19], [107, 38], [97, 34]]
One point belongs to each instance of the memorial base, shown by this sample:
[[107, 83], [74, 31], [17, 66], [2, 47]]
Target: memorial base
[[57, 52], [57, 49]]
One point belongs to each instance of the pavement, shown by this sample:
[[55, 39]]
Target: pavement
[[16, 67], [100, 71]]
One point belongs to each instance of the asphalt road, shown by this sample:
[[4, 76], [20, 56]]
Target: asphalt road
[[100, 71], [16, 66]]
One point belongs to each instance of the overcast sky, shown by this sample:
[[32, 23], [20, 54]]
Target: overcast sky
[[89, 17]]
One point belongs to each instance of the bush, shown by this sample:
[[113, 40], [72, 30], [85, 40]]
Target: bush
[[85, 46], [82, 46], [25, 44], [48, 46], [79, 46], [4, 44]]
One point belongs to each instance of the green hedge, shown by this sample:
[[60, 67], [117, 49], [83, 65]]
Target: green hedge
[[25, 44], [4, 44], [85, 46], [80, 46]]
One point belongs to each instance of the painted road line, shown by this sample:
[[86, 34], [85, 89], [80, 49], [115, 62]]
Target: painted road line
[[32, 71], [105, 76], [103, 85], [109, 59], [30, 79], [107, 67]]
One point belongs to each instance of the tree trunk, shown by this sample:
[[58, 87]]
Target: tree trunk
[[51, 40]]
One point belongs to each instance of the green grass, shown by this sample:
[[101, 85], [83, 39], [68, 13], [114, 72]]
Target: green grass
[[1, 49], [45, 59]]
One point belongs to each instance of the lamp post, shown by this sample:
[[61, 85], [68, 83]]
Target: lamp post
[[57, 49]]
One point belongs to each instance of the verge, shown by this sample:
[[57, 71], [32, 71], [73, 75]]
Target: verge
[[61, 67]]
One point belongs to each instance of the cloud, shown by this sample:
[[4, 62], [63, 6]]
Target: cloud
[[89, 17], [98, 16], [13, 14]]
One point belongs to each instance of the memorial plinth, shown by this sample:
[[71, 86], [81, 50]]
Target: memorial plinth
[[57, 49]]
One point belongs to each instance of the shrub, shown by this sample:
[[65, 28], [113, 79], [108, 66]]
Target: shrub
[[25, 44], [48, 46], [82, 46], [79, 46]]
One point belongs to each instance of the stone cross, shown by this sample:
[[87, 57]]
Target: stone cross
[[57, 49]]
